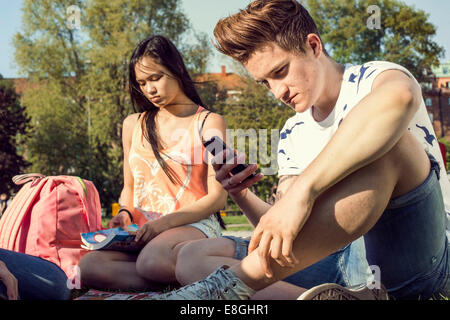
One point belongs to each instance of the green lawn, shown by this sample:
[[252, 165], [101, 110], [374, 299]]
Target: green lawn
[[228, 220], [236, 220]]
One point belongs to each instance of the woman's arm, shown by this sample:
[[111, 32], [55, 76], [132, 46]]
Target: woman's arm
[[126, 196]]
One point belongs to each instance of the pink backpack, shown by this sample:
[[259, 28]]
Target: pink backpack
[[46, 217]]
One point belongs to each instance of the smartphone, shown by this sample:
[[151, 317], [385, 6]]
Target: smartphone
[[216, 145]]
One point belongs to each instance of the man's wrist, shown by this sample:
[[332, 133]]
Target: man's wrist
[[240, 197], [301, 191]]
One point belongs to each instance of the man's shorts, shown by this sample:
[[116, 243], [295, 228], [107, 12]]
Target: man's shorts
[[241, 247]]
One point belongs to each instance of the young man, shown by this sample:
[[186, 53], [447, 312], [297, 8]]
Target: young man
[[359, 158]]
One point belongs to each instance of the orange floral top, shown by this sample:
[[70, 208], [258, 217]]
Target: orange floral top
[[155, 195]]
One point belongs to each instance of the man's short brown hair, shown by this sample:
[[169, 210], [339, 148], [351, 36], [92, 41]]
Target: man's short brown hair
[[284, 22]]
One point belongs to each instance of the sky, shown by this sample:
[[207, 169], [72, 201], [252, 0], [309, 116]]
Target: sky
[[203, 15]]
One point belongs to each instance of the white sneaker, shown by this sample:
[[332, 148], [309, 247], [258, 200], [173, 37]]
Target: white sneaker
[[332, 291], [222, 284]]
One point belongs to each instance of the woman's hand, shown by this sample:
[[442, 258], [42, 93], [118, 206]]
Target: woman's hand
[[150, 230], [236, 185], [10, 282], [121, 220]]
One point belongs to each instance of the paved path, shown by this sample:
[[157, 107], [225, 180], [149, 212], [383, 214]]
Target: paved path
[[238, 233]]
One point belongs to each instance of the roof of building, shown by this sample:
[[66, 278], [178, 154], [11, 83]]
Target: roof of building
[[225, 80]]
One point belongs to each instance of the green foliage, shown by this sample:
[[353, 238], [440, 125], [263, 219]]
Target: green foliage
[[404, 37], [77, 98], [13, 126]]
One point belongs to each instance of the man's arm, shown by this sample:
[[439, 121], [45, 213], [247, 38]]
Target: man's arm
[[283, 185], [369, 131], [254, 208]]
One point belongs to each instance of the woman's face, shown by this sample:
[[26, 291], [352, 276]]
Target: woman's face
[[157, 83]]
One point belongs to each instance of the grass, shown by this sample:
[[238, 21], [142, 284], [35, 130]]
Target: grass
[[229, 220], [236, 220]]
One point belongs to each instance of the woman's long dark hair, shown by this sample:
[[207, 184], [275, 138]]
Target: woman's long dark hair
[[163, 52]]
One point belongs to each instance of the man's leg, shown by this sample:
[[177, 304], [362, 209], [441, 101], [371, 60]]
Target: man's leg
[[347, 211], [340, 215], [332, 224], [37, 279], [418, 218], [198, 259]]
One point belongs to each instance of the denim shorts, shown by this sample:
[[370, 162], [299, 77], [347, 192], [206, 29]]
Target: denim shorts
[[347, 266], [209, 226], [241, 250], [409, 243]]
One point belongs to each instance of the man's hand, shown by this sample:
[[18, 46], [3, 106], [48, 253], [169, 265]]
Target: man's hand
[[277, 230], [235, 185], [9, 281]]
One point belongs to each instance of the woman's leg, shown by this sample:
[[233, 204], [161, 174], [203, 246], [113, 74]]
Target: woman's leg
[[197, 259], [38, 279], [157, 260], [112, 270]]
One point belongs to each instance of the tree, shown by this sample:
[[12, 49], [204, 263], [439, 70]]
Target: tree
[[13, 127], [357, 31], [76, 55]]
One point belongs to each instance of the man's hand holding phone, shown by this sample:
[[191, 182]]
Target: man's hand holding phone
[[231, 170]]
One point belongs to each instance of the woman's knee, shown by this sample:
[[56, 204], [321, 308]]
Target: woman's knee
[[193, 256], [155, 263], [91, 267]]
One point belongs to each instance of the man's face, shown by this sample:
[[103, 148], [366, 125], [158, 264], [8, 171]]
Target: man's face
[[292, 77]]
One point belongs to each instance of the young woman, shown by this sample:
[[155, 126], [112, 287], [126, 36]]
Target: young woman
[[170, 191]]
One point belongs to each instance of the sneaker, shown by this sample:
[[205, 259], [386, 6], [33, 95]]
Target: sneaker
[[222, 284], [332, 291]]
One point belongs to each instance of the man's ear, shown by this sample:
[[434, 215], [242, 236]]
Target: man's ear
[[314, 42]]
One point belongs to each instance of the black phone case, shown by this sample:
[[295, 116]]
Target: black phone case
[[211, 146]]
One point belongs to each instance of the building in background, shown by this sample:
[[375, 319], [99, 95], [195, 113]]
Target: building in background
[[436, 93], [228, 84]]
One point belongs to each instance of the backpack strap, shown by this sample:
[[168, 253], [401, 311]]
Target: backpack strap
[[24, 178]]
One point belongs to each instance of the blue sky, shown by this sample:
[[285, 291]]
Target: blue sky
[[203, 15]]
